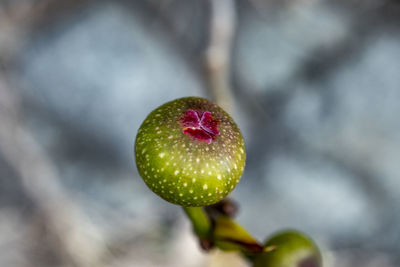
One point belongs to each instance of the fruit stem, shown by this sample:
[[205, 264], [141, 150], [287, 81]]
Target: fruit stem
[[200, 221]]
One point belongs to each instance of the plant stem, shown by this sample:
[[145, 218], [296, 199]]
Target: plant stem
[[200, 221]]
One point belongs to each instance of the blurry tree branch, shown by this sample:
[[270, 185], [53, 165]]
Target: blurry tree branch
[[80, 243], [218, 54], [218, 66]]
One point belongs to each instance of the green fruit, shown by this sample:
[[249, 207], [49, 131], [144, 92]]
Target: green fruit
[[289, 249], [190, 152]]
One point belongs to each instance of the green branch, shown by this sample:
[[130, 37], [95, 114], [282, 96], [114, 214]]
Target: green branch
[[200, 221]]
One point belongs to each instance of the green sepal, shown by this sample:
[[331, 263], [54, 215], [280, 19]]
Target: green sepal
[[230, 236]]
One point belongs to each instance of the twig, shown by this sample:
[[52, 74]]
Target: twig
[[218, 54]]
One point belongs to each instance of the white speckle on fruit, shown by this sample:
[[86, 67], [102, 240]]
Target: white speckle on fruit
[[219, 176], [176, 172], [191, 191], [161, 155], [205, 186], [185, 184]]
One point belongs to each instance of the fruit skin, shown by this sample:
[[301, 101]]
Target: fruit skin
[[179, 164], [289, 249]]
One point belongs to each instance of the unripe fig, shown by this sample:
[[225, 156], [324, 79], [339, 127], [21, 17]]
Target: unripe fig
[[190, 152], [289, 249]]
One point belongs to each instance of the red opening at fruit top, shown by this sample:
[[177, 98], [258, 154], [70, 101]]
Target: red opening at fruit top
[[202, 126]]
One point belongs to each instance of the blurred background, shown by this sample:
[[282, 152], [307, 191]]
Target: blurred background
[[313, 84]]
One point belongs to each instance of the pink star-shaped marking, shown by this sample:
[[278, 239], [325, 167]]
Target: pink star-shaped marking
[[200, 125]]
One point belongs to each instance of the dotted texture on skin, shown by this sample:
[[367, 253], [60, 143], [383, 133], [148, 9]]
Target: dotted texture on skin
[[181, 169]]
